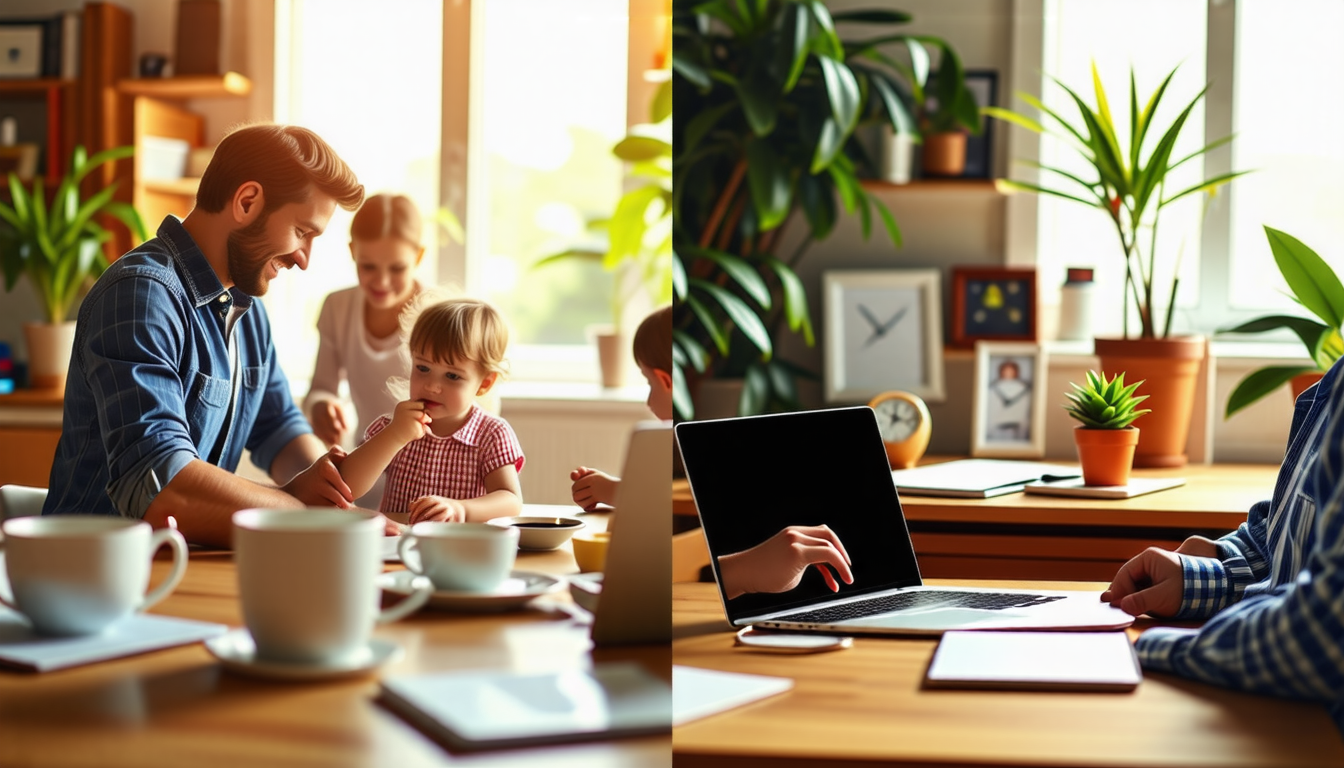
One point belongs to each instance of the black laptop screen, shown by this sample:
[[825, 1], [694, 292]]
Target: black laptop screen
[[754, 477]]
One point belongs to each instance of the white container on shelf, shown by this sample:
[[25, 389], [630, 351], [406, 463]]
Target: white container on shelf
[[162, 159]]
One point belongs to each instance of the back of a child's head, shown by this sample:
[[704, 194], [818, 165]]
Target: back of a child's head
[[653, 340], [460, 329], [386, 215]]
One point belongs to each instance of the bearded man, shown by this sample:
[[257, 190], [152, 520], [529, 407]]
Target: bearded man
[[174, 372]]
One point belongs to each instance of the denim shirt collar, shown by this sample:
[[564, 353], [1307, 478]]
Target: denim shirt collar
[[198, 277]]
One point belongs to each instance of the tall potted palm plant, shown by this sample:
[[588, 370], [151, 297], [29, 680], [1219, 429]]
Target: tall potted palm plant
[[56, 242], [768, 95], [1131, 170]]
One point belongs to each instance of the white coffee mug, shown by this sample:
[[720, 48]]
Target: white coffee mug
[[80, 574], [460, 557], [308, 581]]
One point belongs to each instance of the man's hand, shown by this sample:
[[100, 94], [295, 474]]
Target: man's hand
[[410, 422], [1152, 582], [329, 422], [437, 508], [1198, 546], [778, 563], [320, 485], [592, 487]]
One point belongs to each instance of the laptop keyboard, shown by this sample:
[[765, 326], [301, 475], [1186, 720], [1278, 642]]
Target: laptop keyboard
[[898, 601]]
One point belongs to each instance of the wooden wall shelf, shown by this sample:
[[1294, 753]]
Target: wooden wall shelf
[[35, 85], [985, 186], [187, 86], [185, 187]]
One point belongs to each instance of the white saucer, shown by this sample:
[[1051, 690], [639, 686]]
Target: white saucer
[[239, 654], [516, 591]]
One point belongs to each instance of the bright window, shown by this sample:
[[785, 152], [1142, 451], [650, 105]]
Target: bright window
[[367, 80], [1227, 271], [548, 104]]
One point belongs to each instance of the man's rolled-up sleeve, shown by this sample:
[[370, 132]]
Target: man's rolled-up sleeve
[[132, 349]]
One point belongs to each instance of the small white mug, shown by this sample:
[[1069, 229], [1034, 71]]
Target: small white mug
[[308, 582], [80, 574], [461, 557]]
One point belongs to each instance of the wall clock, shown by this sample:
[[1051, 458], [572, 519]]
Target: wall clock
[[903, 420]]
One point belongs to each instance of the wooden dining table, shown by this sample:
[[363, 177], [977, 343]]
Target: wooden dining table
[[180, 707]]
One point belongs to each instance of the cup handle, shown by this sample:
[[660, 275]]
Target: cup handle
[[7, 600], [423, 589], [171, 537], [407, 541]]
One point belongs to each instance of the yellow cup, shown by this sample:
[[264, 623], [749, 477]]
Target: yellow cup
[[590, 550]]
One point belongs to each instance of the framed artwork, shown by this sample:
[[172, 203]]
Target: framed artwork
[[883, 332], [993, 305], [1008, 408], [984, 85], [21, 49]]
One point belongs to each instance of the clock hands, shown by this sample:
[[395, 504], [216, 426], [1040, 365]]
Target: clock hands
[[880, 329]]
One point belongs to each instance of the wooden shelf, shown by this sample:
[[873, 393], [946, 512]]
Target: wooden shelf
[[35, 86], [188, 86], [185, 187], [932, 185]]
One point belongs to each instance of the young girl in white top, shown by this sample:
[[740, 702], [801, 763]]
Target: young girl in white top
[[445, 457], [359, 327]]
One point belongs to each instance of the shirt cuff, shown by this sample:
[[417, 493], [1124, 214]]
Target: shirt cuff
[[263, 456], [1206, 587], [1158, 646], [134, 491]]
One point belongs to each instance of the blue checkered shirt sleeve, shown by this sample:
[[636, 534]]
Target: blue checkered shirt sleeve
[[1285, 639]]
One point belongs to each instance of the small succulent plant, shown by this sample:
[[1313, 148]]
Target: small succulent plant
[[1105, 404]]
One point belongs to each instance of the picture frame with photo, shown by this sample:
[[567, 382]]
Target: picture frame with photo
[[1009, 400], [883, 331], [993, 304]]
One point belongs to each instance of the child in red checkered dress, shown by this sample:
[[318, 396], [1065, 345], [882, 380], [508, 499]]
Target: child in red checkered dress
[[445, 457], [653, 353]]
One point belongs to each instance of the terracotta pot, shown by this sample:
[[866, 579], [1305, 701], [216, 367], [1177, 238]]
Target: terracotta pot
[[1106, 454], [1168, 369], [1299, 383], [49, 348], [945, 154], [613, 350]]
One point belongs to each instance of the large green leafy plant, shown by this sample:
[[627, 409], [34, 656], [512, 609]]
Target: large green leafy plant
[[638, 234], [1129, 186], [768, 96], [1317, 288], [58, 244]]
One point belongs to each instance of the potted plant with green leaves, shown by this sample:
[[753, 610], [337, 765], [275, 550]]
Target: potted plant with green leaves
[[947, 116], [56, 242], [1105, 410], [768, 96], [1317, 288], [1127, 182], [636, 239]]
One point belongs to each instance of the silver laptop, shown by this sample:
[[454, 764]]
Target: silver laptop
[[635, 603], [764, 485]]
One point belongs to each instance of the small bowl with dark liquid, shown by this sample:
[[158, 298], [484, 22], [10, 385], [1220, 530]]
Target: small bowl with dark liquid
[[541, 532]]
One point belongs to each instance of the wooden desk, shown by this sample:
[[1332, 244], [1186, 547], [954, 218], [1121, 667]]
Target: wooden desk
[[865, 707], [178, 707], [30, 427], [1026, 536]]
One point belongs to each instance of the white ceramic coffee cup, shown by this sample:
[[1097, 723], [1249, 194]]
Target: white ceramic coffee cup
[[308, 581], [460, 557], [80, 574]]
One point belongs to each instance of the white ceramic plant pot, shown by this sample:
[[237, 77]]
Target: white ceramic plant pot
[[49, 348]]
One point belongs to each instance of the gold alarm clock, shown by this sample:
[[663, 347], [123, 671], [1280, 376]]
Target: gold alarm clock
[[904, 422]]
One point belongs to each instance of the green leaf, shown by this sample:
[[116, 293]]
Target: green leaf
[[827, 42], [755, 391], [681, 396], [1309, 331], [818, 206], [686, 344], [683, 65], [796, 312], [718, 335], [843, 92], [802, 46], [888, 220], [661, 107], [1312, 281], [742, 273], [769, 181], [1260, 383], [678, 277], [737, 310], [634, 149], [829, 143]]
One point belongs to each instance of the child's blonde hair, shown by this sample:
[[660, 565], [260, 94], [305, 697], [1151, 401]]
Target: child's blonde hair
[[461, 329], [653, 340]]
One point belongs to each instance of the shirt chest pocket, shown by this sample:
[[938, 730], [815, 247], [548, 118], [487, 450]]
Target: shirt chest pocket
[[207, 405], [253, 391]]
